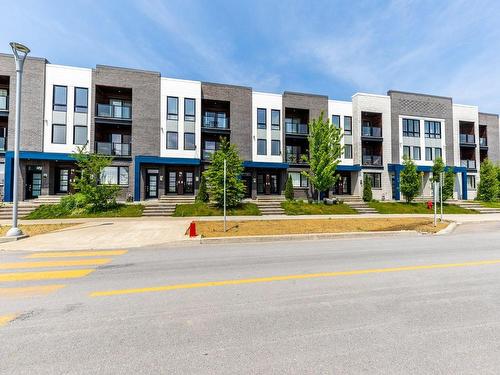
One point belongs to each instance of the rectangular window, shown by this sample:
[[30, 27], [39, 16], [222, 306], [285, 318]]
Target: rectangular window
[[406, 152], [432, 129], [189, 109], [81, 99], [189, 141], [416, 152], [114, 176], [471, 182], [172, 140], [2, 173], [275, 147], [172, 108], [438, 153], [428, 153], [376, 179], [79, 135], [347, 151], [411, 127], [347, 125], [60, 98], [298, 180], [275, 119], [58, 133], [336, 121], [261, 147], [261, 118]]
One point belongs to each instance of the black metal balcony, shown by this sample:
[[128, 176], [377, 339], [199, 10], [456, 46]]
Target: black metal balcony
[[296, 129], [296, 158], [483, 142], [113, 149], [215, 121], [469, 164], [372, 160], [467, 139], [118, 112], [371, 132]]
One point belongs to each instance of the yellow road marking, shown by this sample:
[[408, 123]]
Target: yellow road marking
[[45, 275], [55, 263], [29, 291], [288, 277], [66, 254], [4, 319]]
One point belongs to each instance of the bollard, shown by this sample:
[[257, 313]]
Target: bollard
[[192, 229]]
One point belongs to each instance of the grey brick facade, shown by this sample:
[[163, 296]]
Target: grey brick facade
[[492, 128], [315, 104]]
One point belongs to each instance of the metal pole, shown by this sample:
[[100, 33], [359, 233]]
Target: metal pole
[[441, 193], [435, 207], [224, 195], [15, 231]]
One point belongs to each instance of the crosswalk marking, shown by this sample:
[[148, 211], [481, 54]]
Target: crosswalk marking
[[4, 319], [44, 275], [55, 263], [67, 254], [29, 291]]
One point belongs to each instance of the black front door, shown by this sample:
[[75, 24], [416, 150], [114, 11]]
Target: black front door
[[180, 182], [63, 180], [152, 184], [267, 183], [343, 185], [33, 181]]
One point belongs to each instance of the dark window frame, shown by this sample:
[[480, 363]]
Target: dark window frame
[[432, 129], [440, 152], [333, 123], [376, 179], [174, 116], [428, 154], [86, 132], [346, 130], [419, 153], [194, 141], [177, 141], [275, 126], [273, 141], [408, 154], [81, 108], [58, 107], [260, 140], [117, 168], [65, 134], [262, 125], [348, 148], [411, 127], [190, 118]]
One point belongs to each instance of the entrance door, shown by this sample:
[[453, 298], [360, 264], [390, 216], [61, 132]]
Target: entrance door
[[189, 183], [63, 181], [343, 185], [33, 181], [267, 183], [152, 184]]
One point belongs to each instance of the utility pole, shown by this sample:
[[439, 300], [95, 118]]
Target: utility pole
[[225, 195]]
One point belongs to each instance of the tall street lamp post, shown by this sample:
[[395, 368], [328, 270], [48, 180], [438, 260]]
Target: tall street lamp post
[[20, 52]]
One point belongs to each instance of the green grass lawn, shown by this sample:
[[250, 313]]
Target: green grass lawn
[[494, 204], [204, 209], [55, 211], [415, 208], [304, 208]]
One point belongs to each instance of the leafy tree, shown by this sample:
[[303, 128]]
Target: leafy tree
[[92, 194], [437, 169], [410, 181], [367, 189], [487, 189], [448, 184], [202, 195], [289, 194], [235, 189], [324, 154]]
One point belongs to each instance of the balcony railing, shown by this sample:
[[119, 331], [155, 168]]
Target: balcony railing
[[114, 111], [215, 122], [483, 142], [207, 154], [4, 103], [2, 143], [372, 131], [467, 138], [113, 149], [295, 158], [469, 164], [295, 128], [372, 160]]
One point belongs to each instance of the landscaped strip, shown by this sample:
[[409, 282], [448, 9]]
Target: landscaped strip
[[308, 226], [305, 208], [205, 209], [57, 211], [34, 229], [416, 208]]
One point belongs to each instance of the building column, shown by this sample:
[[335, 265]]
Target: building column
[[464, 185], [396, 187]]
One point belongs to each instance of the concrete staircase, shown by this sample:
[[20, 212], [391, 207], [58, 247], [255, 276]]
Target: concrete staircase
[[423, 199], [23, 209], [270, 204], [165, 205], [47, 199], [476, 206], [356, 203]]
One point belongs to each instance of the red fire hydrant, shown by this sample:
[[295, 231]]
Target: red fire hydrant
[[429, 205], [192, 229]]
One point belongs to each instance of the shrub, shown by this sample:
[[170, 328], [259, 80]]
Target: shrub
[[289, 194], [367, 190], [202, 195], [487, 189]]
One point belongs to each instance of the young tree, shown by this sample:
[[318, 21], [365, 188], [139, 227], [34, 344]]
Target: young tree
[[437, 169], [367, 189], [487, 189], [324, 154], [289, 194], [96, 196], [410, 181], [202, 195], [235, 189], [448, 184]]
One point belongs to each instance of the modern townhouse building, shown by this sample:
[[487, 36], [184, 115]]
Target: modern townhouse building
[[161, 132]]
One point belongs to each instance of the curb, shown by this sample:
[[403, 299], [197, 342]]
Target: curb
[[305, 237], [449, 229], [12, 239]]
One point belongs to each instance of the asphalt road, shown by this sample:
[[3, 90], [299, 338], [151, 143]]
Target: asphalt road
[[415, 304]]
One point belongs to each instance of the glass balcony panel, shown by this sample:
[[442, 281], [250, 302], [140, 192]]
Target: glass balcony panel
[[467, 138], [2, 143], [114, 111], [483, 142], [4, 103], [371, 131]]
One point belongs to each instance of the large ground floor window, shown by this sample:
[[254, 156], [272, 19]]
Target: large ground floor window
[[114, 176]]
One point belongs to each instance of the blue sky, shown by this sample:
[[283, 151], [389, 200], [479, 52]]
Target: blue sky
[[335, 48]]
